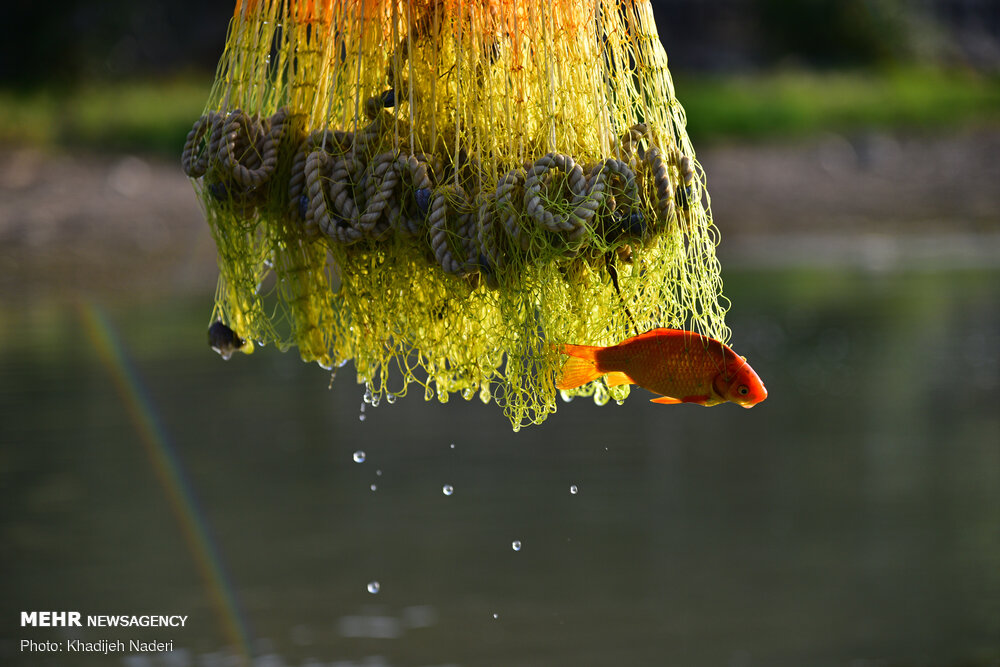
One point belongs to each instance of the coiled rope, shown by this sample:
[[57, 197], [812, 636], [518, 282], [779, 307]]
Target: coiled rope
[[336, 190]]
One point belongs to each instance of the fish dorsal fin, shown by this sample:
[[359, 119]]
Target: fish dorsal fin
[[615, 378], [666, 400]]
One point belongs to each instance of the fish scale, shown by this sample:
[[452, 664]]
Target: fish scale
[[696, 362]]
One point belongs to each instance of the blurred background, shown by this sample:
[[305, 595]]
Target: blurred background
[[851, 149]]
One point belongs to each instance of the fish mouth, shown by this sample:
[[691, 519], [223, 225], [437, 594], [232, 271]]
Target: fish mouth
[[754, 400]]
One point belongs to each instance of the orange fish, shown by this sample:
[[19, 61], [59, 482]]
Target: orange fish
[[684, 366]]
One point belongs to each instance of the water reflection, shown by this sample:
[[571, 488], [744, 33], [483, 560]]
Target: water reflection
[[851, 517]]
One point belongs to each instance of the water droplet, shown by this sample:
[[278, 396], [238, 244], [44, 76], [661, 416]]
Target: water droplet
[[378, 473], [619, 401], [374, 587], [361, 418], [359, 456], [516, 545], [390, 398], [362, 407], [452, 445], [495, 616], [574, 489], [517, 428], [376, 399], [373, 487], [447, 489], [467, 393]]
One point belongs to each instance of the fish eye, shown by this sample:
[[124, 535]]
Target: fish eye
[[743, 390]]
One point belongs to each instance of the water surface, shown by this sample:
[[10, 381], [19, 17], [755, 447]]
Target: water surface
[[851, 519]]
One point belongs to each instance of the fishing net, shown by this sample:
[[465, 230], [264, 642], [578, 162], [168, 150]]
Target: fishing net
[[439, 190]]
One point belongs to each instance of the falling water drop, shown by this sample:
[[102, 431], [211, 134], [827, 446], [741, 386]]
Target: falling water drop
[[495, 616], [373, 487], [374, 587], [447, 489], [516, 545], [359, 456], [378, 472], [574, 489]]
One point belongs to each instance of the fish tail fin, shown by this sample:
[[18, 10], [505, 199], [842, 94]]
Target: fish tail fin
[[580, 368]]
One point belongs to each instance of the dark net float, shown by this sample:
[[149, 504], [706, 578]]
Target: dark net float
[[438, 190]]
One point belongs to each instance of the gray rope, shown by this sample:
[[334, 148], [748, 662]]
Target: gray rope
[[340, 193]]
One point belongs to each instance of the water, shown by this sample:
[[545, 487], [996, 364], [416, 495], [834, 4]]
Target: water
[[849, 519]]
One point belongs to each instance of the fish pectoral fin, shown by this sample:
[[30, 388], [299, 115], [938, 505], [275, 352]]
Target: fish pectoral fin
[[615, 378], [666, 400]]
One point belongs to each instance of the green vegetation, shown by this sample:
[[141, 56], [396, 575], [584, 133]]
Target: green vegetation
[[145, 116], [154, 116], [798, 103]]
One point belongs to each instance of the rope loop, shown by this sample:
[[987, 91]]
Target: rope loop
[[320, 170], [346, 174], [336, 142], [574, 223], [509, 197], [415, 177], [612, 183], [382, 180], [629, 140], [663, 188], [248, 150], [448, 203], [196, 152], [488, 235]]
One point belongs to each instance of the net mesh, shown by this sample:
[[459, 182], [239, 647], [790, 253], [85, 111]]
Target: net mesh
[[439, 190]]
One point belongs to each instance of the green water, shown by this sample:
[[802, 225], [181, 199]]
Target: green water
[[851, 519]]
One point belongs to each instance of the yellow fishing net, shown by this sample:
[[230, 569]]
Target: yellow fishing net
[[441, 189]]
